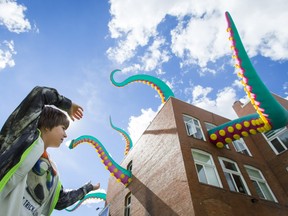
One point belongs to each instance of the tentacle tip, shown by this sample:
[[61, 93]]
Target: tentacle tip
[[71, 145]]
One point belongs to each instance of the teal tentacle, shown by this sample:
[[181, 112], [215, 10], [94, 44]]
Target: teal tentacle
[[161, 87], [128, 140], [91, 195], [270, 113], [121, 174], [266, 105]]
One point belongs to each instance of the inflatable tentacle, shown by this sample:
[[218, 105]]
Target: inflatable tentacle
[[91, 195], [233, 130], [121, 174], [127, 138], [269, 109], [161, 87], [270, 114]]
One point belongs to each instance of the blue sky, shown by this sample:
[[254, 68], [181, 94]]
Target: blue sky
[[74, 46]]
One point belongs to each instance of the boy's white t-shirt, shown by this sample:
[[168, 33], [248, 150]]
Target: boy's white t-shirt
[[15, 200]]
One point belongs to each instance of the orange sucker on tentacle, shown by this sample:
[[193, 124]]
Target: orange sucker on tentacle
[[244, 79], [128, 140], [114, 168], [161, 87]]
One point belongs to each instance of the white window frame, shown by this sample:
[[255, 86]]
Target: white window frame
[[192, 128], [127, 209], [258, 181], [129, 166], [278, 133], [205, 167], [241, 147], [232, 174]]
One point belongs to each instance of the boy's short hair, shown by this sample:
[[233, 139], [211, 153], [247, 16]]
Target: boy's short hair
[[51, 117]]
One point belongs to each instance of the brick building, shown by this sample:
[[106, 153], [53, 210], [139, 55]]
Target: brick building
[[176, 171]]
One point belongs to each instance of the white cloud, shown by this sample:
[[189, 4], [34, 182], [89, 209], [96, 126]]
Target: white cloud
[[200, 35], [237, 83], [12, 16], [285, 87], [6, 54], [221, 105], [132, 68], [133, 23], [138, 124], [153, 57], [200, 41], [200, 91]]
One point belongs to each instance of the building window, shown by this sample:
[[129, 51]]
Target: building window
[[206, 169], [193, 127], [262, 188], [105, 211], [129, 166], [233, 176], [278, 139], [127, 205], [210, 126], [240, 146]]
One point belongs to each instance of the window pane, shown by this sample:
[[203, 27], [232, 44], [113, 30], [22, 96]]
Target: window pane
[[275, 142], [254, 173], [196, 122], [239, 183], [188, 127], [230, 182], [271, 133], [284, 138], [129, 166], [258, 190], [212, 177], [238, 145], [241, 147], [229, 165], [266, 191], [209, 126], [201, 173], [201, 157], [198, 134], [127, 211], [245, 152], [191, 129], [186, 118]]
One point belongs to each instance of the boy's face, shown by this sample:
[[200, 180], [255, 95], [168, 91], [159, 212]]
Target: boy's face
[[55, 136]]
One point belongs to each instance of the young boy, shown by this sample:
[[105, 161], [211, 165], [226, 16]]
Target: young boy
[[29, 183]]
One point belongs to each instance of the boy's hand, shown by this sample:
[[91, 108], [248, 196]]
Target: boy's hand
[[96, 187], [75, 111]]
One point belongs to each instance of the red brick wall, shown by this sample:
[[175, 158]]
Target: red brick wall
[[159, 185]]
